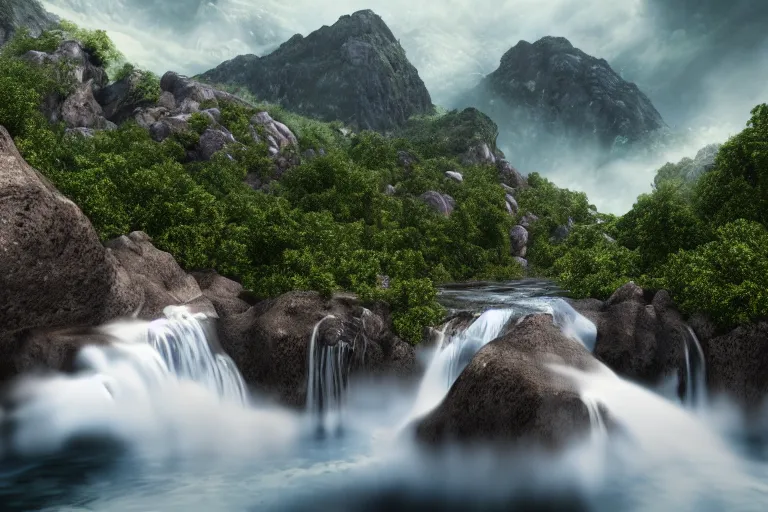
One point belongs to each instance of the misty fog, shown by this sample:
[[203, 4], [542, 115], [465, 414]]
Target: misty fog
[[703, 63]]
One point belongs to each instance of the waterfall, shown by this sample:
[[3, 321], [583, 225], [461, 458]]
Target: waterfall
[[676, 445], [176, 347], [328, 374], [695, 373], [599, 431], [160, 387], [454, 355]]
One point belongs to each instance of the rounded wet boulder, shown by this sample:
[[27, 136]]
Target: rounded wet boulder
[[640, 334], [270, 342], [511, 392]]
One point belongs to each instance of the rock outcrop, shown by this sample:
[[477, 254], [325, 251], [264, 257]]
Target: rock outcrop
[[689, 170], [120, 99], [441, 203], [270, 341], [160, 279], [354, 71], [550, 94], [640, 334], [518, 240], [81, 110], [467, 134], [53, 270], [78, 110], [736, 364], [16, 14], [509, 393], [183, 97]]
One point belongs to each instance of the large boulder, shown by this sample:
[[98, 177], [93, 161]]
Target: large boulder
[[510, 176], [270, 342], [29, 14], [275, 134], [81, 110], [189, 94], [737, 362], [211, 141], [167, 126], [354, 71], [640, 334], [162, 280], [225, 294], [441, 203], [518, 241], [53, 269], [120, 99], [509, 393]]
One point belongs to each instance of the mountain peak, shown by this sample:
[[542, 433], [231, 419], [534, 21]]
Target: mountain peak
[[564, 96], [353, 71]]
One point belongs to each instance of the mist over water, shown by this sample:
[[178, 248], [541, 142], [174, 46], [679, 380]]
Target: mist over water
[[190, 444]]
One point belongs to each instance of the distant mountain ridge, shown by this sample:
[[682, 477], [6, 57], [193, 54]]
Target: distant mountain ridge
[[550, 92], [354, 71]]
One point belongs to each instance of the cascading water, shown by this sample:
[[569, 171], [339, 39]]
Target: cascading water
[[177, 405], [181, 341], [695, 373], [453, 356], [327, 382], [158, 382]]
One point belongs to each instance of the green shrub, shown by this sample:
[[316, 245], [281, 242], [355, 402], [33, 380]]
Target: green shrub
[[95, 42], [737, 188], [198, 122], [450, 134], [660, 224], [589, 265], [147, 87], [727, 278]]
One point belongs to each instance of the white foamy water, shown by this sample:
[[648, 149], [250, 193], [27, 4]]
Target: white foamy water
[[176, 404], [453, 356], [159, 387]]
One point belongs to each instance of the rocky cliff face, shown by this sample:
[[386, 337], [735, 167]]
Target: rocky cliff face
[[15, 14], [354, 71], [549, 92]]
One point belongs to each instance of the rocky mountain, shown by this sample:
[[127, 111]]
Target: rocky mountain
[[551, 92], [354, 71], [15, 14]]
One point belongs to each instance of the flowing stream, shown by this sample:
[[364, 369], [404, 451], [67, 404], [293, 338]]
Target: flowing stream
[[161, 420]]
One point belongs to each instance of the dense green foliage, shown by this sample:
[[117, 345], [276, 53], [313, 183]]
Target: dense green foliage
[[327, 225], [738, 186], [451, 133], [726, 278], [96, 42], [659, 224], [147, 86], [704, 240]]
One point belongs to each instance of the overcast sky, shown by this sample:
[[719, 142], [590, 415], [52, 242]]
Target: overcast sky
[[704, 63]]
